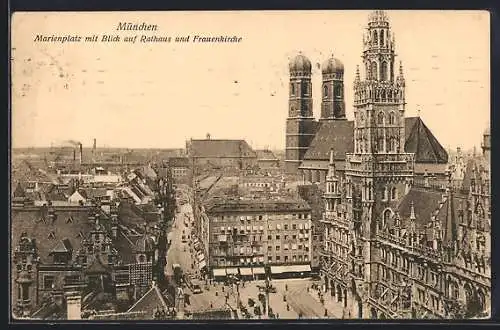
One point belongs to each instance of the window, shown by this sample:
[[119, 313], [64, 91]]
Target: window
[[294, 236], [286, 227], [380, 118], [48, 282], [52, 235], [293, 88], [382, 38], [373, 71], [392, 118], [277, 236], [278, 247], [325, 91], [278, 258], [269, 237], [338, 91], [383, 71], [286, 258], [394, 194]]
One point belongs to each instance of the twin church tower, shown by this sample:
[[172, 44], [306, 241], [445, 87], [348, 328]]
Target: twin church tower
[[379, 89]]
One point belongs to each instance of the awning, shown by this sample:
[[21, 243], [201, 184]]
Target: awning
[[231, 271], [290, 269], [219, 272], [202, 265], [258, 270], [246, 271]]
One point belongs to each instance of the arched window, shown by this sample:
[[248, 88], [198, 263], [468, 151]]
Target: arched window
[[292, 87], [325, 91], [386, 194], [338, 91], [386, 217], [392, 118], [375, 38], [380, 118], [382, 38], [391, 71], [383, 70], [373, 71], [394, 193]]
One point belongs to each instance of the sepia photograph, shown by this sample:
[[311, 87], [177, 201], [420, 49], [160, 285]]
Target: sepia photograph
[[250, 165]]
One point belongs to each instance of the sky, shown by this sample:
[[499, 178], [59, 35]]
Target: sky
[[158, 95]]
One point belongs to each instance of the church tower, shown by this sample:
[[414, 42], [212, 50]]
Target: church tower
[[332, 105], [300, 123], [379, 172]]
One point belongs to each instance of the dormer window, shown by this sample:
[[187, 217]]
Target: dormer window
[[69, 220], [52, 235]]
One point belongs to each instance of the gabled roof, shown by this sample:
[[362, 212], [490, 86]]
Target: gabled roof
[[421, 141], [63, 246], [426, 204], [336, 134], [149, 301], [19, 191], [265, 155], [97, 267], [221, 148], [29, 220], [79, 193], [339, 135]]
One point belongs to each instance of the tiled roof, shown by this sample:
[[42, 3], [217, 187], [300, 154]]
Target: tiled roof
[[421, 141], [151, 300], [126, 247], [339, 135], [336, 134], [426, 204], [97, 267], [35, 222], [221, 148], [265, 155]]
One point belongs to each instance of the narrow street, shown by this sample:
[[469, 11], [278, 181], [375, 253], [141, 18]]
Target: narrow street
[[178, 252]]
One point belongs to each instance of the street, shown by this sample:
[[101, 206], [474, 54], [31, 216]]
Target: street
[[178, 252], [291, 300]]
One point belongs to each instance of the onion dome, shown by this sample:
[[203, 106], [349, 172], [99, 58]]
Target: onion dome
[[300, 63], [332, 65]]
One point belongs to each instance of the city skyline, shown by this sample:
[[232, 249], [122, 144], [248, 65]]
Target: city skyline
[[189, 90]]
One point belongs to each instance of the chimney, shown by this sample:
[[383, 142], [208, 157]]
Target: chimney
[[81, 154], [74, 306], [94, 147], [74, 155]]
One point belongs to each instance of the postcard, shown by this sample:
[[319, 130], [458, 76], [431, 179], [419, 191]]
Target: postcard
[[250, 165]]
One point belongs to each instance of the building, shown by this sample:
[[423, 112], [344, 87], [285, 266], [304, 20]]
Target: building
[[218, 154], [308, 142], [267, 160], [397, 245], [248, 235], [181, 169], [78, 257]]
